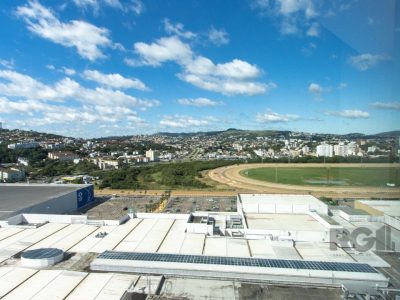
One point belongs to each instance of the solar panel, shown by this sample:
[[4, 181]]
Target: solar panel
[[239, 261]]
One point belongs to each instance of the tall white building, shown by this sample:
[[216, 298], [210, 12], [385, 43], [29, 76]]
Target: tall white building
[[151, 155], [325, 150], [352, 148], [341, 149]]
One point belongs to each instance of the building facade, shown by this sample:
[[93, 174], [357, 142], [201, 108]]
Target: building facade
[[325, 150], [62, 155], [11, 175]]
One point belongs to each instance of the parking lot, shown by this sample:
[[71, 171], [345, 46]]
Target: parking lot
[[188, 204]]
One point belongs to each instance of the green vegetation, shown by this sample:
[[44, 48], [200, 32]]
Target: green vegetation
[[11, 156], [50, 168], [338, 176], [159, 176]]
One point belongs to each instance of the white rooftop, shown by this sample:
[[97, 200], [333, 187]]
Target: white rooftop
[[389, 207], [281, 203], [284, 222]]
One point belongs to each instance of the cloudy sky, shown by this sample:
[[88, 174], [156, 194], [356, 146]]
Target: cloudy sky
[[94, 68]]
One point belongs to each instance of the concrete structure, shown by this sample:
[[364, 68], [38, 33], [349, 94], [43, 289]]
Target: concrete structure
[[281, 203], [250, 269], [18, 283], [11, 175], [341, 149], [107, 163], [41, 258], [352, 214], [325, 150], [389, 209], [23, 145], [17, 199], [251, 244], [151, 155], [286, 217], [62, 155], [53, 146]]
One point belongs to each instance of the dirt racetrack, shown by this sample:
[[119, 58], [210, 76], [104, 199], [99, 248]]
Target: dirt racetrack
[[231, 176]]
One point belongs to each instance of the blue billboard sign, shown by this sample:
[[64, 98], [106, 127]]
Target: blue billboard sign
[[85, 196]]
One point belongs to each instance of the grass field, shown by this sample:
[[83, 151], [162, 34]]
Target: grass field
[[331, 176]]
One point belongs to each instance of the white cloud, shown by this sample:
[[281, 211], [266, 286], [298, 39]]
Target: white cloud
[[199, 102], [9, 64], [68, 71], [231, 78], [218, 37], [228, 87], [349, 113], [14, 84], [87, 38], [135, 5], [342, 85], [235, 69], [19, 85], [289, 7], [178, 30], [86, 3], [41, 113], [289, 26], [386, 105], [163, 50], [114, 80], [25, 107], [64, 70], [366, 61], [293, 15], [314, 30], [181, 121], [273, 117], [132, 62], [315, 89]]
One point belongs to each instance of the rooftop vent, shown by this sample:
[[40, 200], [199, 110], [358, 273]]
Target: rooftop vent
[[41, 258]]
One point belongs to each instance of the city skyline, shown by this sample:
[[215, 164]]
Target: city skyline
[[101, 68]]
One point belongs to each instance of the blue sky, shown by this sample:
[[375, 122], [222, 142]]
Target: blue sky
[[94, 68]]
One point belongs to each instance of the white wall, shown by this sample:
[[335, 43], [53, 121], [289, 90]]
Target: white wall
[[199, 228], [293, 204], [53, 218], [392, 221], [161, 216]]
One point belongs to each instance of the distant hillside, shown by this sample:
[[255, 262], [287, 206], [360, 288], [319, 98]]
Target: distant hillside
[[29, 134], [223, 133], [394, 133], [228, 132]]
